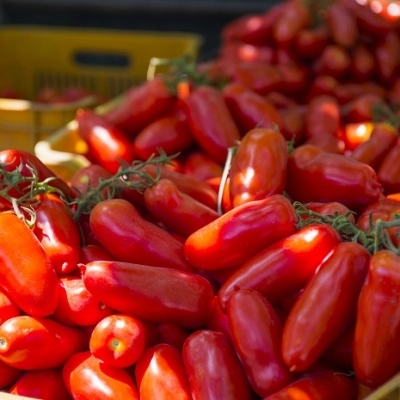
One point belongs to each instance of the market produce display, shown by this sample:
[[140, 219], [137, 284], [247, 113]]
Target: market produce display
[[236, 234]]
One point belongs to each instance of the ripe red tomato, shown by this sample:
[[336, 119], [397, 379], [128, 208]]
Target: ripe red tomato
[[46, 384], [160, 374], [86, 377], [36, 342], [213, 368], [258, 168], [118, 340], [26, 273]]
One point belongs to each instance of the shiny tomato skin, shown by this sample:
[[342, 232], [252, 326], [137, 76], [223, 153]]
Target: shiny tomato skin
[[169, 133], [160, 374], [376, 354], [319, 385], [46, 384], [34, 290], [213, 368], [374, 150], [284, 267], [389, 170], [155, 294], [141, 105], [315, 175], [8, 375], [14, 158], [8, 308], [92, 252], [201, 166], [211, 122], [37, 342], [230, 240], [249, 109], [122, 231], [118, 340], [106, 143], [309, 331], [87, 378], [258, 168], [77, 306], [179, 212], [199, 190], [58, 233], [260, 352]]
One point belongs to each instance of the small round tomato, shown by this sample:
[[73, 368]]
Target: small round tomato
[[118, 340]]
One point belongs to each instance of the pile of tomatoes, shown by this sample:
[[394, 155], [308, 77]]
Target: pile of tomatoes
[[236, 235]]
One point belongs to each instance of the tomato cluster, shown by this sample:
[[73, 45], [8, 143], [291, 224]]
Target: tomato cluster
[[236, 235]]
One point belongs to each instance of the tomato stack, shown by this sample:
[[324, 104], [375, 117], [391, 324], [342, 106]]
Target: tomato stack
[[236, 235]]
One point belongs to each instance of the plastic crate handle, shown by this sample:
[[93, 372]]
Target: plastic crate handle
[[90, 58]]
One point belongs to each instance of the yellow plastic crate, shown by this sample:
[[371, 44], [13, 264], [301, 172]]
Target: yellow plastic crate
[[103, 61]]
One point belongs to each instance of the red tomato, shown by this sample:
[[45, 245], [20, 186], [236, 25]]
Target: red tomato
[[118, 340], [362, 62], [342, 25], [26, 273], [87, 378], [310, 330], [249, 109], [239, 51], [347, 92], [320, 385], [199, 190], [331, 209], [141, 105], [315, 175], [334, 61], [200, 166], [153, 293], [389, 171], [340, 352], [172, 334], [310, 42], [218, 320], [210, 122], [77, 306], [258, 168], [361, 108], [284, 267], [213, 368], [8, 308], [323, 117], [107, 145], [374, 150], [252, 28], [376, 355], [46, 384], [262, 78], [36, 343], [160, 374], [387, 58], [8, 375], [177, 211], [260, 352], [92, 252], [169, 133], [11, 159], [122, 231], [241, 233], [58, 233], [295, 17]]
